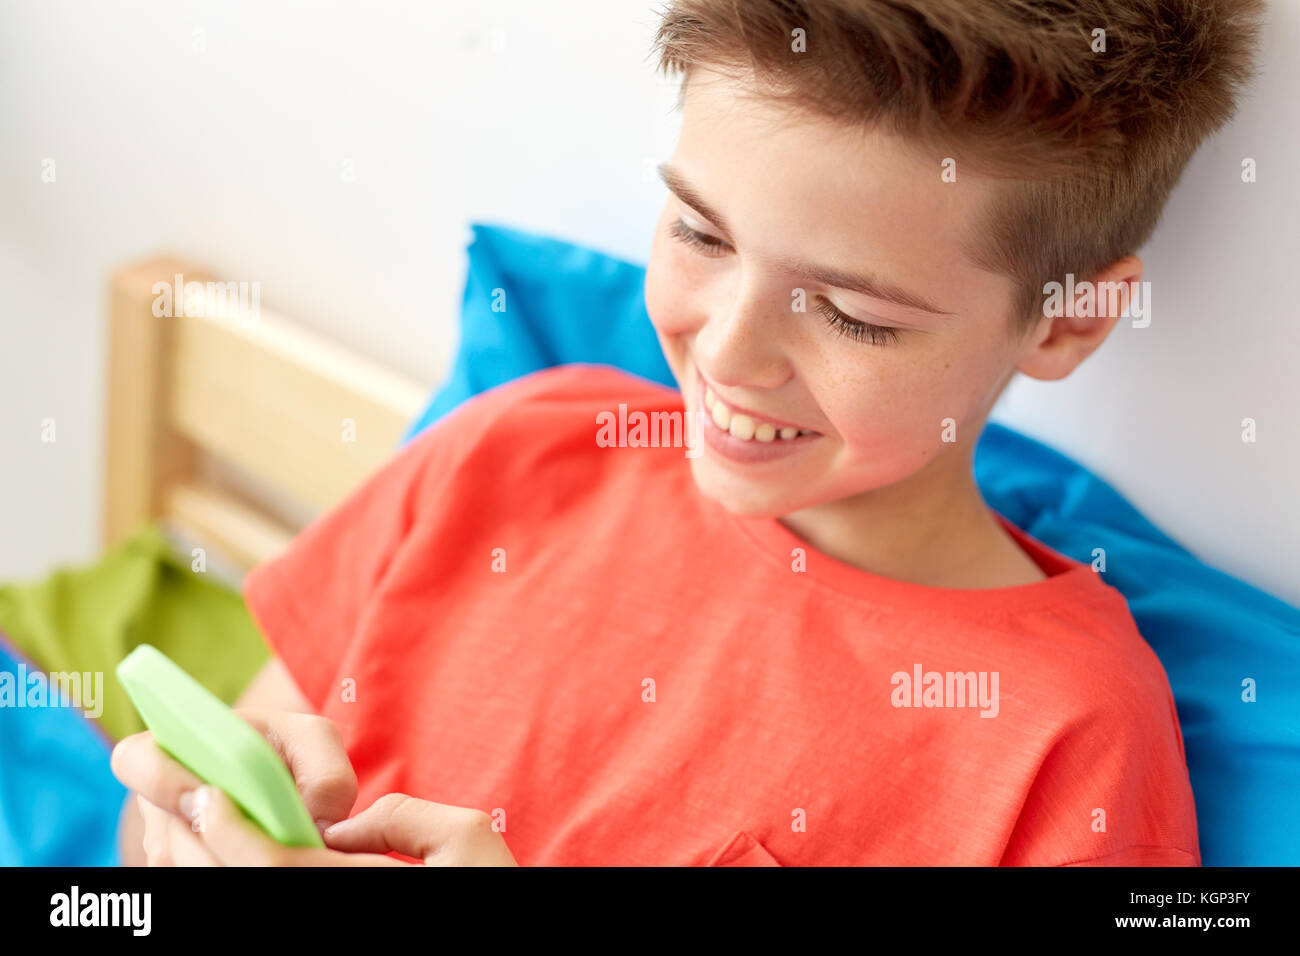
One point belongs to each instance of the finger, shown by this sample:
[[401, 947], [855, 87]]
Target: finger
[[168, 840], [234, 840], [403, 824], [147, 769], [231, 838], [186, 845], [312, 749], [154, 839]]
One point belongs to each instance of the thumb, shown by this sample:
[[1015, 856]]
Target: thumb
[[397, 823], [230, 836]]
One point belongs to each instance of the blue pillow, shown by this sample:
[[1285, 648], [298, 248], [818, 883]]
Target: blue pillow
[[558, 304], [1213, 634], [59, 800]]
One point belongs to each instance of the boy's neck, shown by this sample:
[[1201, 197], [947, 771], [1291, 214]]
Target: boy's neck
[[932, 528]]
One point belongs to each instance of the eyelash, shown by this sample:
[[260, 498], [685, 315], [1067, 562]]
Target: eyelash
[[839, 322]]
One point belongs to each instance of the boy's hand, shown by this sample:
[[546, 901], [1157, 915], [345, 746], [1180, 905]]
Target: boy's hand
[[308, 744], [190, 824], [440, 835]]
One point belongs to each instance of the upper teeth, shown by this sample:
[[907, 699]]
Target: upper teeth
[[742, 426]]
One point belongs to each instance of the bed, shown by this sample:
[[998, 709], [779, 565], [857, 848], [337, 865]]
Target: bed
[[228, 430], [234, 428]]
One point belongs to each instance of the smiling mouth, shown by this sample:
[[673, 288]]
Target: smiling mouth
[[744, 436], [745, 425]]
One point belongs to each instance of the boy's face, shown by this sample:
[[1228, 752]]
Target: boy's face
[[785, 191]]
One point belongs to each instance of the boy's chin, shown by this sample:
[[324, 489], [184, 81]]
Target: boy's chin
[[745, 499]]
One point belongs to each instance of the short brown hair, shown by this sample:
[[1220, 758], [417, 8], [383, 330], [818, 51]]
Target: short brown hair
[[1095, 140]]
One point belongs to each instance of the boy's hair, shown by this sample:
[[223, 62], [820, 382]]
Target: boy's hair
[[1016, 89]]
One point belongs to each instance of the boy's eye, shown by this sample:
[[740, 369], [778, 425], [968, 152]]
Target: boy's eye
[[856, 328], [708, 245], [842, 324]]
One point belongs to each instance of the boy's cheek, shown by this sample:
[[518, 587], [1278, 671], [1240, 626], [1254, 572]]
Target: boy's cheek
[[889, 443], [670, 311]]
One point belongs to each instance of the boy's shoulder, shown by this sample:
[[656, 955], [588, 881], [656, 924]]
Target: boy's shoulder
[[547, 405], [1076, 632], [540, 420], [564, 389], [576, 382], [1094, 657]]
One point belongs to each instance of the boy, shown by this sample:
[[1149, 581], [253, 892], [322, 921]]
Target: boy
[[812, 643]]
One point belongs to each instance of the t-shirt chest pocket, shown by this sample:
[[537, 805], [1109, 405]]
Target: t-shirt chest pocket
[[741, 849]]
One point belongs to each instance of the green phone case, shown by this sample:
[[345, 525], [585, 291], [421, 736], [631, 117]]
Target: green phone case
[[216, 745]]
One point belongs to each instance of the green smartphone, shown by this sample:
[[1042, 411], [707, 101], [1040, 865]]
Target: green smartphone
[[192, 724]]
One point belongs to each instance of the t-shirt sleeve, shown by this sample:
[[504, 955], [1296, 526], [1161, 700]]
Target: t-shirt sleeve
[[310, 599], [1142, 856], [1113, 790]]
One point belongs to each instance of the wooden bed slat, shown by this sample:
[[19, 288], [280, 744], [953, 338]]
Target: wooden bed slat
[[141, 455], [214, 516], [288, 408], [306, 419]]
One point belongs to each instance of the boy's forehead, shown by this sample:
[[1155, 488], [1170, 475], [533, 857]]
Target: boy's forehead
[[778, 170]]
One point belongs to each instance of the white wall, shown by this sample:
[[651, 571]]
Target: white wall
[[228, 147], [1158, 411], [223, 132]]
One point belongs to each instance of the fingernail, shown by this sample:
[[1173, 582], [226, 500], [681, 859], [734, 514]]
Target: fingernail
[[193, 802], [334, 827], [324, 826]]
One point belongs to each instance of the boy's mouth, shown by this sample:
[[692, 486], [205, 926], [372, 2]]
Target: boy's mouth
[[745, 436]]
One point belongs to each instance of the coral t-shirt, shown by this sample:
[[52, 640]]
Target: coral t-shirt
[[511, 617]]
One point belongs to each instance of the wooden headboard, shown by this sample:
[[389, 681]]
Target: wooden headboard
[[235, 428]]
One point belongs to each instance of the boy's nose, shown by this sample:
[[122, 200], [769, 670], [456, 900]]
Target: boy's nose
[[744, 346]]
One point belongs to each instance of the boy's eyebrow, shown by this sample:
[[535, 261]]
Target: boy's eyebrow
[[854, 282]]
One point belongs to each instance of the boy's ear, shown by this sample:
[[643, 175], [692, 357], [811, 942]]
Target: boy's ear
[[1061, 342]]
